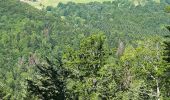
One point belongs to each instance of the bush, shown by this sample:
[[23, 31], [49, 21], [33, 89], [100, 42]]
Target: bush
[[167, 9], [49, 8]]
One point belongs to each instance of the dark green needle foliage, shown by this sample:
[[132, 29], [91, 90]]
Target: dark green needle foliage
[[50, 83], [167, 43]]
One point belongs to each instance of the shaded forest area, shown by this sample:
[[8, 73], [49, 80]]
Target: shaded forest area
[[94, 51]]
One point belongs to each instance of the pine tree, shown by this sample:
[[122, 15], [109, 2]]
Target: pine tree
[[49, 83], [167, 45]]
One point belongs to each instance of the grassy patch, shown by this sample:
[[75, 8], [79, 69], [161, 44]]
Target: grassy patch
[[43, 3]]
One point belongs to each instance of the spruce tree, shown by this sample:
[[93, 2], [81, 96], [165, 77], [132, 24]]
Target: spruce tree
[[49, 83]]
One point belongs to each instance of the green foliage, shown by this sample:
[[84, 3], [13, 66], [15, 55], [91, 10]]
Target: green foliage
[[83, 65], [95, 74], [167, 9], [86, 64], [49, 8], [49, 84], [147, 61], [167, 45], [167, 1]]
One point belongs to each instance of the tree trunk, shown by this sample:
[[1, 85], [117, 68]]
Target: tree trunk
[[157, 90], [156, 79]]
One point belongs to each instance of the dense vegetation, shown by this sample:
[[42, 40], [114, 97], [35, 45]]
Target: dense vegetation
[[94, 51]]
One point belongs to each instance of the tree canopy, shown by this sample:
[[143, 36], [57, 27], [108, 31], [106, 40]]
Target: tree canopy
[[94, 51]]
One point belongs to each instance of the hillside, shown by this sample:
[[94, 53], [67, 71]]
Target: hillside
[[43, 3], [84, 51], [40, 3]]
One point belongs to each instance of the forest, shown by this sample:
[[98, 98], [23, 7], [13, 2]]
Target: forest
[[111, 50]]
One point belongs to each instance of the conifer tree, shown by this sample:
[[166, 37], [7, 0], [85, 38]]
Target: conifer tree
[[49, 83]]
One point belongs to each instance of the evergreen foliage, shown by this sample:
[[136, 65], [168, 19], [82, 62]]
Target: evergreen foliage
[[50, 85], [95, 51]]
